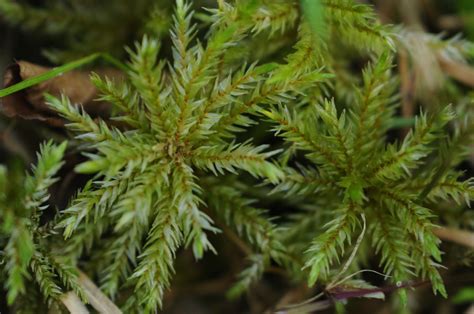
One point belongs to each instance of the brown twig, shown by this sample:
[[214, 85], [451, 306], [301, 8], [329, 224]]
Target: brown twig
[[461, 72], [96, 298], [470, 310], [74, 305], [292, 296], [462, 237]]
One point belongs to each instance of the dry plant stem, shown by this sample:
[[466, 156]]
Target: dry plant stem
[[292, 296], [301, 304], [457, 70], [96, 298], [74, 305], [334, 283], [455, 235], [470, 310]]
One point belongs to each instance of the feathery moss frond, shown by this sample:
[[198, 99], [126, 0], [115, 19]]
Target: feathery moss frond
[[153, 273], [323, 250], [232, 208], [21, 225], [414, 147], [357, 24], [176, 130], [353, 161], [183, 151]]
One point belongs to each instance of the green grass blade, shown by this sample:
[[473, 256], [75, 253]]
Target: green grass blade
[[61, 70]]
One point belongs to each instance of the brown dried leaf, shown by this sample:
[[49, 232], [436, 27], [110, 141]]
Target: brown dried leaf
[[29, 104]]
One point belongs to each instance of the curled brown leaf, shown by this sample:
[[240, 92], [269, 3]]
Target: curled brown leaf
[[29, 104]]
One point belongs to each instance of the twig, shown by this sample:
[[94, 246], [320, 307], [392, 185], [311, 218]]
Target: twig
[[305, 302], [470, 310], [462, 237], [96, 298], [72, 302], [458, 70], [288, 299], [308, 305]]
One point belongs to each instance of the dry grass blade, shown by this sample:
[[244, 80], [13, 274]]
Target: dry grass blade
[[72, 302], [459, 71], [462, 237], [96, 298]]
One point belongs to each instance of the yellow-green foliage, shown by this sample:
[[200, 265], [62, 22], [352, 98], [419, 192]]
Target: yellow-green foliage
[[177, 158]]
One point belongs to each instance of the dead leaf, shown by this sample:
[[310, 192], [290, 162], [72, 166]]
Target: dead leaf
[[29, 104]]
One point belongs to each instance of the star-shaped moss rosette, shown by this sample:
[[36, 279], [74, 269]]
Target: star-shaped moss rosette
[[182, 118], [391, 186]]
